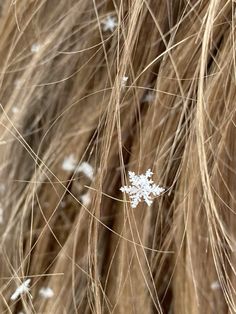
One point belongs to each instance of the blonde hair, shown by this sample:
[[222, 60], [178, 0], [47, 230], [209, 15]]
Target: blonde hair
[[117, 86]]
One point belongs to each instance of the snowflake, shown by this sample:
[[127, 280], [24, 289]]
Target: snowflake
[[35, 47], [124, 80], [215, 285], [86, 199], [109, 24], [23, 288], [15, 109], [141, 187], [46, 292], [86, 169], [149, 97], [69, 163]]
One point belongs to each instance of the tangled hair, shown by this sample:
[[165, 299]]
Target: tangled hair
[[93, 89]]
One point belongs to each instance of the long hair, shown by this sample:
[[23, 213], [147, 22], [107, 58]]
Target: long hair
[[93, 94]]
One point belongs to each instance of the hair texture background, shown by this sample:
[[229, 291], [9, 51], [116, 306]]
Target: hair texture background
[[176, 115]]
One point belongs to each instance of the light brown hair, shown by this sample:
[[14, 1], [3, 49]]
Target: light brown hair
[[154, 89]]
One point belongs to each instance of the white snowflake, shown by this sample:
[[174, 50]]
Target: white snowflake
[[69, 163], [86, 169], [23, 288], [15, 109], [109, 23], [18, 83], [141, 187], [86, 199], [46, 292], [215, 285], [35, 47], [124, 80], [149, 97]]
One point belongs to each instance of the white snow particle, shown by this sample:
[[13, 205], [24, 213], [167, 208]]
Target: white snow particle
[[15, 109], [109, 23], [69, 163], [23, 288], [86, 199], [35, 47], [141, 187], [215, 285], [46, 292], [149, 97], [18, 83], [86, 169], [124, 80], [63, 204]]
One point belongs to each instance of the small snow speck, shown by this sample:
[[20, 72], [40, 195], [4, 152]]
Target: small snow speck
[[149, 97], [215, 285], [46, 292], [69, 163], [86, 199], [35, 48], [15, 110], [86, 169], [124, 80]]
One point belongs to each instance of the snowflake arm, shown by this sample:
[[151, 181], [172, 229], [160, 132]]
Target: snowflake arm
[[142, 187]]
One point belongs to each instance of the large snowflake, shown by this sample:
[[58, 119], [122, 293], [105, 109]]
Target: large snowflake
[[141, 187]]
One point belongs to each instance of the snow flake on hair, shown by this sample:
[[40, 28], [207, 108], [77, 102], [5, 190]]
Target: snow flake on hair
[[215, 285], [86, 169], [109, 23], [46, 293], [86, 199], [23, 288], [69, 163], [124, 80], [35, 47], [141, 187], [149, 97]]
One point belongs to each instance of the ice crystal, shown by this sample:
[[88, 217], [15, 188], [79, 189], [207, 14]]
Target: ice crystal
[[86, 169], [149, 97], [141, 187], [86, 199], [35, 47], [69, 163], [23, 288], [124, 80], [215, 285], [109, 23], [46, 292], [15, 109]]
